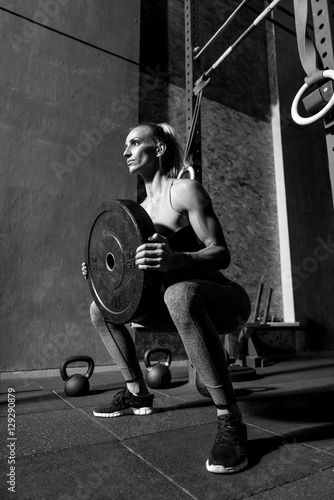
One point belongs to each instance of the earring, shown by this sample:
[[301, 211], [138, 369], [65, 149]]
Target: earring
[[160, 149]]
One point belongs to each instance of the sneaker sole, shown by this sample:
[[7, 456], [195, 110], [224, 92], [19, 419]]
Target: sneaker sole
[[127, 411], [220, 469]]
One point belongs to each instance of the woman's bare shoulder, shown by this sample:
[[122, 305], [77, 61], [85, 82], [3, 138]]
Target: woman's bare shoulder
[[190, 193]]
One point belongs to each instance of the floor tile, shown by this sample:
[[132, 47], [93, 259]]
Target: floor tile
[[97, 472], [274, 460], [47, 432]]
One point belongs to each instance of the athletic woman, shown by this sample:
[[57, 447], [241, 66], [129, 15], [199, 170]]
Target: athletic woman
[[197, 300]]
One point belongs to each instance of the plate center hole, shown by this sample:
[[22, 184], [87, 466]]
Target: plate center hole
[[110, 261]]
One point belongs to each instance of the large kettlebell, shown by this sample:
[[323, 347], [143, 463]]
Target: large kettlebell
[[76, 385], [158, 376]]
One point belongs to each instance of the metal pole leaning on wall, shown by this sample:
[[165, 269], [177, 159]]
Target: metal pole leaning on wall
[[204, 79], [192, 72], [222, 28], [227, 52]]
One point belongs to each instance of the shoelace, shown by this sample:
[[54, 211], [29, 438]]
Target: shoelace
[[228, 431], [119, 397]]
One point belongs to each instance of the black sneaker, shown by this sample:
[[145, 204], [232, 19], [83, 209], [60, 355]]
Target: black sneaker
[[228, 452], [125, 403]]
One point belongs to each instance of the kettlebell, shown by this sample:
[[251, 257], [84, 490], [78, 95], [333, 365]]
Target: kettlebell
[[158, 376], [76, 385]]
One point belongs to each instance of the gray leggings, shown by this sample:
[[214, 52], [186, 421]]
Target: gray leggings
[[200, 311]]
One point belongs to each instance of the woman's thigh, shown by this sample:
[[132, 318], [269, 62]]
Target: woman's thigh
[[227, 305]]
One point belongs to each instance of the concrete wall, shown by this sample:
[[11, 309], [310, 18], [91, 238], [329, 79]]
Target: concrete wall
[[69, 93]]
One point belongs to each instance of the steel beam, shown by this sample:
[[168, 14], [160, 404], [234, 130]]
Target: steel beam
[[192, 73]]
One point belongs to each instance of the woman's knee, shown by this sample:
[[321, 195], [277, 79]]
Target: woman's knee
[[181, 295]]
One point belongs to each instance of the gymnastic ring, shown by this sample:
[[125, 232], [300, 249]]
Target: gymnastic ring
[[327, 73], [188, 169]]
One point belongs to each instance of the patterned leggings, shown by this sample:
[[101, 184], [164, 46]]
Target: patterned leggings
[[199, 310]]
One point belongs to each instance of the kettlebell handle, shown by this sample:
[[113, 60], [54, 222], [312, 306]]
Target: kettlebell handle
[[148, 354], [74, 359]]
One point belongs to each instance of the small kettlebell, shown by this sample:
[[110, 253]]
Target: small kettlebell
[[76, 385], [158, 376]]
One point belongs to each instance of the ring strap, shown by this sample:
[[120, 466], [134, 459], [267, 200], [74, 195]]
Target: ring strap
[[191, 141], [308, 54]]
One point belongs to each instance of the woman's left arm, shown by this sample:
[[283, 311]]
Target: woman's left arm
[[189, 197]]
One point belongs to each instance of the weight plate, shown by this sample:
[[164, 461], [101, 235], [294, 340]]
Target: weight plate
[[120, 290]]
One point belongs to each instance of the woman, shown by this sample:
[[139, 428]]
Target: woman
[[198, 301]]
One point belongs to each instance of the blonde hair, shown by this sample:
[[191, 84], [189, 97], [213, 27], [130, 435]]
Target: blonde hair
[[172, 159]]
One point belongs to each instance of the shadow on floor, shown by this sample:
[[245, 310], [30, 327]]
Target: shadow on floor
[[259, 448]]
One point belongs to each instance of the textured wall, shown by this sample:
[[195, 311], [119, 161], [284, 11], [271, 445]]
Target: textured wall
[[238, 164], [68, 96], [238, 172]]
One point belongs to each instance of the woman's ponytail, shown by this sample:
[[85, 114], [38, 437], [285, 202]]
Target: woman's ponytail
[[172, 159]]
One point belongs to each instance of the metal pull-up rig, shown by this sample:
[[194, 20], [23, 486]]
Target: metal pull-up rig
[[317, 59]]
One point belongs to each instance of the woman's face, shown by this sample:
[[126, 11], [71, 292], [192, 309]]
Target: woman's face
[[140, 149]]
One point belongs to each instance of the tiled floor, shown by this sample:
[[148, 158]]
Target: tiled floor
[[63, 452]]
